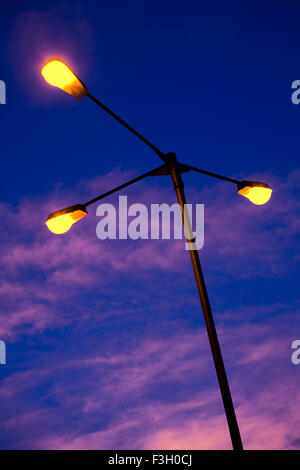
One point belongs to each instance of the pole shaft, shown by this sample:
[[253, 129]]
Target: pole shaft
[[208, 317]]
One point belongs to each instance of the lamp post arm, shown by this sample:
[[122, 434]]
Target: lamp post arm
[[124, 185], [131, 129], [215, 175]]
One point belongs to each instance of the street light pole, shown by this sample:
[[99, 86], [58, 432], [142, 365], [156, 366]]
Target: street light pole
[[58, 74], [207, 313]]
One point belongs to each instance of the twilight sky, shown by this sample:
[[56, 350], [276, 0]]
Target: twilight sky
[[106, 345]]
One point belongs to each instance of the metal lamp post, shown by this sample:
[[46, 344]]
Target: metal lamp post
[[58, 74]]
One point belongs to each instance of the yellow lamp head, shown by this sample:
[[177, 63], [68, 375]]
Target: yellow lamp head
[[256, 192], [61, 221], [57, 73]]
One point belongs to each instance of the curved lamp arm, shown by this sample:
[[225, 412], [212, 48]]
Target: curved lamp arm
[[60, 221], [209, 173], [124, 123], [124, 185]]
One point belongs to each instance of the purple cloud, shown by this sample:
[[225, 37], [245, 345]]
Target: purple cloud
[[127, 365]]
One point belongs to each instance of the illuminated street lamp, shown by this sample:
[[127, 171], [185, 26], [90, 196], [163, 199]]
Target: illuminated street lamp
[[61, 221], [258, 193], [58, 74]]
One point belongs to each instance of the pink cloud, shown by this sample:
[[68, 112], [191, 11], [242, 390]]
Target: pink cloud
[[189, 416], [151, 384], [241, 241]]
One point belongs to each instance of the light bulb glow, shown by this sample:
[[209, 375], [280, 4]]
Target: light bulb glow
[[61, 221], [258, 193], [58, 74]]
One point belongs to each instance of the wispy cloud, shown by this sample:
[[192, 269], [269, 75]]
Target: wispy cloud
[[160, 393], [110, 334], [42, 271]]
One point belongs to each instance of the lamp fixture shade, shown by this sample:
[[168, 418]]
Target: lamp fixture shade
[[57, 73], [258, 193], [61, 221]]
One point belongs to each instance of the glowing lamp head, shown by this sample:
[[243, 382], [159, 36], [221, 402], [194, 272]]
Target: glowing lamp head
[[57, 73], [256, 192], [61, 221]]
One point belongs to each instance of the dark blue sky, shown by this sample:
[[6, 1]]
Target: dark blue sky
[[209, 80], [106, 342]]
